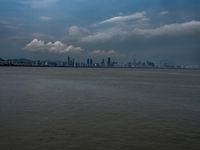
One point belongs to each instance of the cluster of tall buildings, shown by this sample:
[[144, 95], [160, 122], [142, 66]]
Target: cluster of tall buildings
[[90, 63]]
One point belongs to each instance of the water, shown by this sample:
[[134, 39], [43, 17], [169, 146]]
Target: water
[[99, 109]]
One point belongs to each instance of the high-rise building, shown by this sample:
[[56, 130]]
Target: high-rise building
[[68, 60], [109, 62], [91, 62], [73, 62], [88, 62], [103, 63]]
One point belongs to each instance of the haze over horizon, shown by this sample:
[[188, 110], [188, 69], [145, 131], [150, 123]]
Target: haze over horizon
[[157, 30]]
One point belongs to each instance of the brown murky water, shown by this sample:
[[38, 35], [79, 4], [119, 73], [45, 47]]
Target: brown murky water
[[99, 109]]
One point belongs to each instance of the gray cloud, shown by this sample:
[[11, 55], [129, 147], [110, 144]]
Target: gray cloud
[[121, 32], [187, 28], [103, 52], [52, 47], [42, 36], [38, 3], [162, 13], [99, 37], [45, 18], [8, 25]]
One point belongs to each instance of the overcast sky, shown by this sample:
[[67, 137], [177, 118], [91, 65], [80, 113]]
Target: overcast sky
[[157, 30]]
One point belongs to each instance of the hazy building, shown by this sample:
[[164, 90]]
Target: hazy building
[[91, 62], [68, 60], [103, 63], [88, 62], [109, 62]]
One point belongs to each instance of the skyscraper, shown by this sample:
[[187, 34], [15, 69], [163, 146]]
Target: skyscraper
[[103, 63], [109, 62], [68, 61], [88, 62], [91, 62]]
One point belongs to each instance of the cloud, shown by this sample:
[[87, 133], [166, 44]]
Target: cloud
[[177, 29], [164, 13], [103, 52], [187, 28], [139, 16], [8, 25], [45, 18], [104, 35], [38, 35], [74, 31], [106, 53], [52, 47], [38, 3], [99, 37]]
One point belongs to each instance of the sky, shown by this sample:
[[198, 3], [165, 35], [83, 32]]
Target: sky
[[156, 30]]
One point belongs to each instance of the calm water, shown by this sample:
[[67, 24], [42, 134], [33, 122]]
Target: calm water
[[99, 109]]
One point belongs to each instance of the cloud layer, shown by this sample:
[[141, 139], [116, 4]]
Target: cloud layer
[[177, 29], [187, 28]]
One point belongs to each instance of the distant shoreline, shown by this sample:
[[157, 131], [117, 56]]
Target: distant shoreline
[[78, 67], [89, 63]]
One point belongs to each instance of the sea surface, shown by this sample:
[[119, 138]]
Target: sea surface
[[99, 109]]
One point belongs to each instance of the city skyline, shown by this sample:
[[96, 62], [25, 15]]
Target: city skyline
[[108, 62], [157, 30]]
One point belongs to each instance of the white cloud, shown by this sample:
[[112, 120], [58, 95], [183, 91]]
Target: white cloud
[[187, 28], [45, 18], [74, 31], [139, 16], [164, 13], [38, 3], [52, 47]]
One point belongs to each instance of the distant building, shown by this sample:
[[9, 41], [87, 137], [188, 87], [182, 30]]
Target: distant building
[[91, 62], [88, 62], [103, 63], [109, 62], [68, 61]]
